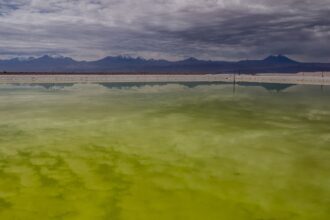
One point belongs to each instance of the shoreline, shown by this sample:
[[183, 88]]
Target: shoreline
[[316, 78]]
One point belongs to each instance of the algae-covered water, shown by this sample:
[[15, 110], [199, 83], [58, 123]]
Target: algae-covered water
[[170, 151]]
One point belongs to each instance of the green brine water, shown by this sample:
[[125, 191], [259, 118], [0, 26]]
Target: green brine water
[[167, 151]]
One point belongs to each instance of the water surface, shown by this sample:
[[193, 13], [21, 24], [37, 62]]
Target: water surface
[[164, 151]]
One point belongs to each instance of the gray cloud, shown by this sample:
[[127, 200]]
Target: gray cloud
[[172, 29]]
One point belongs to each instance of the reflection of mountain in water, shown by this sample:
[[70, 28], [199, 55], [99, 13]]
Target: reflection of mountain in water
[[141, 84], [45, 85], [54, 85], [269, 86]]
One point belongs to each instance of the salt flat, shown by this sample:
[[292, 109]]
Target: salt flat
[[317, 78]]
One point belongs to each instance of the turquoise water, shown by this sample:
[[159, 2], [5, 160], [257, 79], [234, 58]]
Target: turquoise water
[[164, 151]]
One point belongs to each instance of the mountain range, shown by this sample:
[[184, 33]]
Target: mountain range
[[46, 63]]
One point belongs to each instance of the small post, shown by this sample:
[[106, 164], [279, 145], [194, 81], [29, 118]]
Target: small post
[[234, 83]]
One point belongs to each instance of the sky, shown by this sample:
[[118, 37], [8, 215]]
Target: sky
[[166, 29]]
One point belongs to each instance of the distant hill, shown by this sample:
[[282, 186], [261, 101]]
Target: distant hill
[[271, 64]]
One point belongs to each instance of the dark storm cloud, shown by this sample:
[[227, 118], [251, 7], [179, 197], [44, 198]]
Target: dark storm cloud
[[209, 29], [261, 34]]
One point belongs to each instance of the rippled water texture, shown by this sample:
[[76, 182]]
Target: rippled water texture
[[164, 152]]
